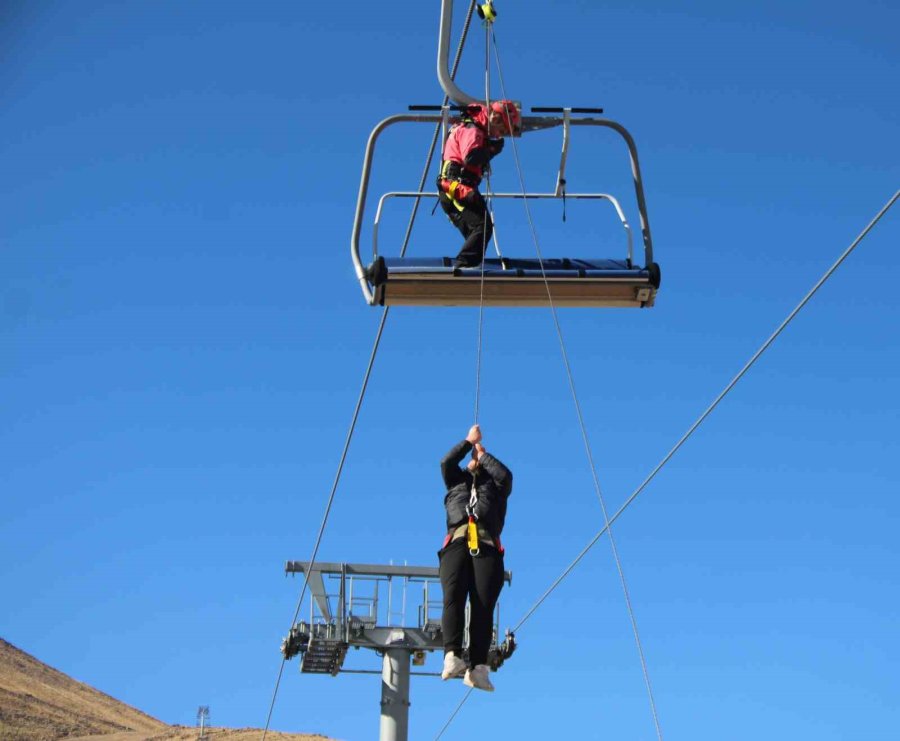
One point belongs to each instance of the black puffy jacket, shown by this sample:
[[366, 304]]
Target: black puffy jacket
[[493, 481]]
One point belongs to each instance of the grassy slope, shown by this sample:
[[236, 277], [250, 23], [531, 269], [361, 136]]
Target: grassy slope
[[38, 703]]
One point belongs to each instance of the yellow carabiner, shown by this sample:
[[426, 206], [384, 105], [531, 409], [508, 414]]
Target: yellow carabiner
[[472, 537], [487, 13]]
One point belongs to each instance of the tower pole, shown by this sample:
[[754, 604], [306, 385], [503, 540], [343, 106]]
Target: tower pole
[[395, 695]]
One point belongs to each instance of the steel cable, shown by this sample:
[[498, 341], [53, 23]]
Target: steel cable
[[692, 429], [365, 382], [454, 714], [712, 406]]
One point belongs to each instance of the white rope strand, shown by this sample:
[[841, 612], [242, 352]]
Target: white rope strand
[[365, 383], [696, 424], [587, 446], [487, 215], [712, 406]]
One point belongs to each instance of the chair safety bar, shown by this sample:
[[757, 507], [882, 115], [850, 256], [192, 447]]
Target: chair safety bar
[[532, 196]]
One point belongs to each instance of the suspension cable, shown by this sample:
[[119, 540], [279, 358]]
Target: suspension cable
[[334, 486], [487, 216], [697, 423], [691, 430], [711, 407], [454, 713], [365, 382], [579, 414], [587, 446]]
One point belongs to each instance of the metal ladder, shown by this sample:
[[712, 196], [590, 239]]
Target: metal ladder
[[323, 656]]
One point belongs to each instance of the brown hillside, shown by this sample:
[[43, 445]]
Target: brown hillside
[[182, 733], [38, 703]]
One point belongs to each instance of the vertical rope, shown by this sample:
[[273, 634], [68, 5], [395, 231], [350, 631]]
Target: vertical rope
[[487, 215], [478, 347], [587, 446], [368, 372], [709, 410]]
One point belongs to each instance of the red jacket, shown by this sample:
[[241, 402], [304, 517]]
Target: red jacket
[[469, 146]]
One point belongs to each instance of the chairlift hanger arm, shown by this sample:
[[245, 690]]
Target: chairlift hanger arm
[[443, 59]]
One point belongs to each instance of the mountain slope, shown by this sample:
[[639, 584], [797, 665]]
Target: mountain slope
[[39, 703]]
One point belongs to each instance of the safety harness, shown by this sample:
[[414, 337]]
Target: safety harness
[[474, 534], [453, 174], [459, 174]]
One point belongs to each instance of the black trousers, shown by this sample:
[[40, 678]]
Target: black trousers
[[478, 578], [474, 223]]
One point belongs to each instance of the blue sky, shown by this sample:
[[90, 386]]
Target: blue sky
[[184, 340]]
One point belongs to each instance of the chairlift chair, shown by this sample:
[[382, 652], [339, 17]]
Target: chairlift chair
[[585, 282]]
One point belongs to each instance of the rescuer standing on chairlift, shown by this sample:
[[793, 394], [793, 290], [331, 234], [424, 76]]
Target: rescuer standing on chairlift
[[471, 559], [470, 146]]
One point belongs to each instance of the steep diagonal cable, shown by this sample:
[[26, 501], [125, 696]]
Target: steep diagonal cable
[[690, 431], [366, 377], [454, 714], [711, 407], [330, 502], [587, 446]]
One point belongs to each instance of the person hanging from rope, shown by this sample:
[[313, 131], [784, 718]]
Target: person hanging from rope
[[471, 559], [471, 145]]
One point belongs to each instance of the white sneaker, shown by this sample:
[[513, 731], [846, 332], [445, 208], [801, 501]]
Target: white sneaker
[[478, 678], [454, 667]]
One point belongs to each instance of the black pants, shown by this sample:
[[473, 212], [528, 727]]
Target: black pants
[[474, 223], [480, 578]]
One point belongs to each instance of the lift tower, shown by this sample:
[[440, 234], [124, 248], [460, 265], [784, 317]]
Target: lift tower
[[392, 610]]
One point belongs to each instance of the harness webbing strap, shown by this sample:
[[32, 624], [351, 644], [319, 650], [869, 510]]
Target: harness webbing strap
[[472, 536], [472, 532], [451, 170]]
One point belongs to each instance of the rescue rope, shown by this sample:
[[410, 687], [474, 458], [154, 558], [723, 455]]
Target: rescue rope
[[366, 376], [581, 423], [472, 529], [487, 215], [579, 414], [694, 426], [478, 342]]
